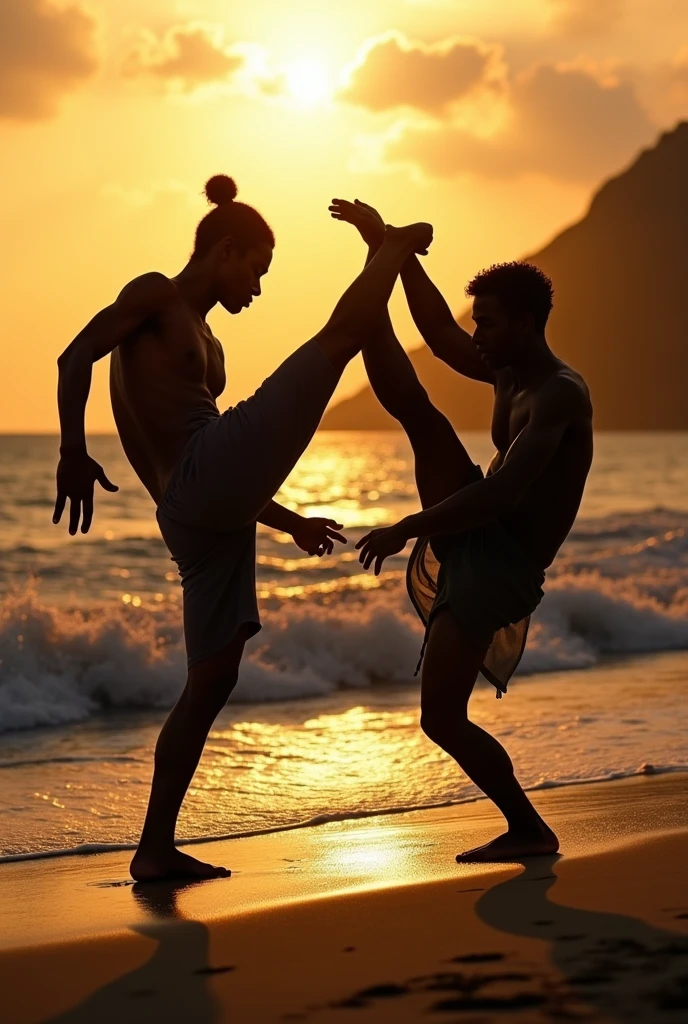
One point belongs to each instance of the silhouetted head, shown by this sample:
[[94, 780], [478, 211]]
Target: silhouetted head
[[511, 304], [237, 244]]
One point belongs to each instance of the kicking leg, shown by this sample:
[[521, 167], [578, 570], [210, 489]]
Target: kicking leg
[[268, 432], [450, 670], [177, 754], [366, 298], [442, 463]]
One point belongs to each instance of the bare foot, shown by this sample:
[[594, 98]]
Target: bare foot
[[414, 237], [174, 865], [513, 845]]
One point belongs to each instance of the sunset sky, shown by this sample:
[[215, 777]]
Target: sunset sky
[[493, 119]]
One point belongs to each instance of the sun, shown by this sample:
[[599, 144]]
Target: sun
[[307, 82]]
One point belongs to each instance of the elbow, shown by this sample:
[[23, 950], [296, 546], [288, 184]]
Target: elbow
[[76, 348]]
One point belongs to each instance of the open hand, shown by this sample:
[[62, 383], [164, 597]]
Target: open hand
[[77, 473], [364, 218], [317, 535], [380, 544]]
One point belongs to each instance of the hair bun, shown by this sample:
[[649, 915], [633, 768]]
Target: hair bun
[[221, 189]]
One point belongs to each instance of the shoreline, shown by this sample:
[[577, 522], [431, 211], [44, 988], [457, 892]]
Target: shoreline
[[373, 917], [79, 897], [343, 817]]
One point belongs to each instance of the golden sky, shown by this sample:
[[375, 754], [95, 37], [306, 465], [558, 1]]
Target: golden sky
[[493, 119]]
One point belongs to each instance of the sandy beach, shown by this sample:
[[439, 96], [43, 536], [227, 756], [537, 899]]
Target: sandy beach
[[371, 921]]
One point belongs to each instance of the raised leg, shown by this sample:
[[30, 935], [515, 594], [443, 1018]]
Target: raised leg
[[366, 298], [450, 670], [177, 754], [442, 464]]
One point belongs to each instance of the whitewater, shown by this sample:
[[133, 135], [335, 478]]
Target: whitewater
[[325, 712]]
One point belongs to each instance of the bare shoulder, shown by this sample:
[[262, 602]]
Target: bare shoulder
[[565, 392], [151, 292]]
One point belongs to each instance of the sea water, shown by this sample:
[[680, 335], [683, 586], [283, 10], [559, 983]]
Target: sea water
[[324, 722]]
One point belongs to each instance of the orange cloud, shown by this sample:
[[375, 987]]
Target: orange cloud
[[45, 51], [562, 121], [390, 72], [586, 17], [186, 56]]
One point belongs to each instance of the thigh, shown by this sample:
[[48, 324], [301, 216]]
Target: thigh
[[442, 464], [256, 444], [450, 668]]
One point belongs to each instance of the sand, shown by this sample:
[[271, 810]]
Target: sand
[[371, 921]]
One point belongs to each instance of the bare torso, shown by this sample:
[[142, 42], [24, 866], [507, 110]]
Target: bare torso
[[164, 382], [545, 514]]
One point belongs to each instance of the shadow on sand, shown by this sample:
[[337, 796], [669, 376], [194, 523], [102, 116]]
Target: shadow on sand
[[610, 965], [606, 965], [172, 985]]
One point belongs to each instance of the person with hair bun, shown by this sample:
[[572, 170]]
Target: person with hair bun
[[212, 476]]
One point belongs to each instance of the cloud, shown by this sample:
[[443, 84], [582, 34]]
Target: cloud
[[391, 72], [186, 56], [45, 51], [563, 121], [586, 17], [139, 197]]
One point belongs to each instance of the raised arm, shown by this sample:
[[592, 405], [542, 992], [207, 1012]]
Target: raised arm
[[430, 312], [435, 321], [142, 299], [558, 405]]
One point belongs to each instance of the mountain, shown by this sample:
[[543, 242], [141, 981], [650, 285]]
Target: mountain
[[620, 312]]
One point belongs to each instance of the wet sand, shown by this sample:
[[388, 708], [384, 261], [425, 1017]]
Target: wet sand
[[371, 921]]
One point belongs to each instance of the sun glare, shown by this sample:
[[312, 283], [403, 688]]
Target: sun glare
[[307, 82]]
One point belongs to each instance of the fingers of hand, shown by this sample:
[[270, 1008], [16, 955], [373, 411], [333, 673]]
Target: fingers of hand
[[105, 483], [88, 514], [74, 514], [363, 540], [59, 507], [378, 564], [337, 536]]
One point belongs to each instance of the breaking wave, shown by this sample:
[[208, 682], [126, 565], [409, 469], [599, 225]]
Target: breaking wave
[[59, 666]]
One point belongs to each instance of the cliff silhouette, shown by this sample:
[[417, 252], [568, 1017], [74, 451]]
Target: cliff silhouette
[[620, 308]]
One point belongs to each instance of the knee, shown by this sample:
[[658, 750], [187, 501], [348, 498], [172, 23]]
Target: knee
[[434, 725], [210, 691], [443, 727]]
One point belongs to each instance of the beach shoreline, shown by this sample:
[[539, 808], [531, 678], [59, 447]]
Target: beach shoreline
[[239, 949]]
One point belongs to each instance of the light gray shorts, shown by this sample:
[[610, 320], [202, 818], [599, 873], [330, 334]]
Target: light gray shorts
[[230, 469]]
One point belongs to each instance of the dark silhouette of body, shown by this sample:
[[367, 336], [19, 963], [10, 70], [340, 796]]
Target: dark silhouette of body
[[542, 430], [167, 371]]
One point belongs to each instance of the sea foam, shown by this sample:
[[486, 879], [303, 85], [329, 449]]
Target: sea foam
[[59, 666]]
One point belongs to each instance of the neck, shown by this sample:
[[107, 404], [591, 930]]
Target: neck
[[193, 282], [533, 362]]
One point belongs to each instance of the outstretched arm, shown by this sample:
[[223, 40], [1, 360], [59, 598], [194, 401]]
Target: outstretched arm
[[76, 471], [557, 406], [435, 321], [314, 535]]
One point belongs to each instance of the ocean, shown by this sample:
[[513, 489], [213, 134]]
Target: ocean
[[324, 721]]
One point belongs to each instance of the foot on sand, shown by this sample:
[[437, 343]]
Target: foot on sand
[[513, 845], [414, 237], [172, 866]]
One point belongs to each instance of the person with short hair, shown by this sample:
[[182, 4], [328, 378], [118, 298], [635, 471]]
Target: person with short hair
[[212, 476], [483, 541]]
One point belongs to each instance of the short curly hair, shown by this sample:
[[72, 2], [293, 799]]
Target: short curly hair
[[520, 287]]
